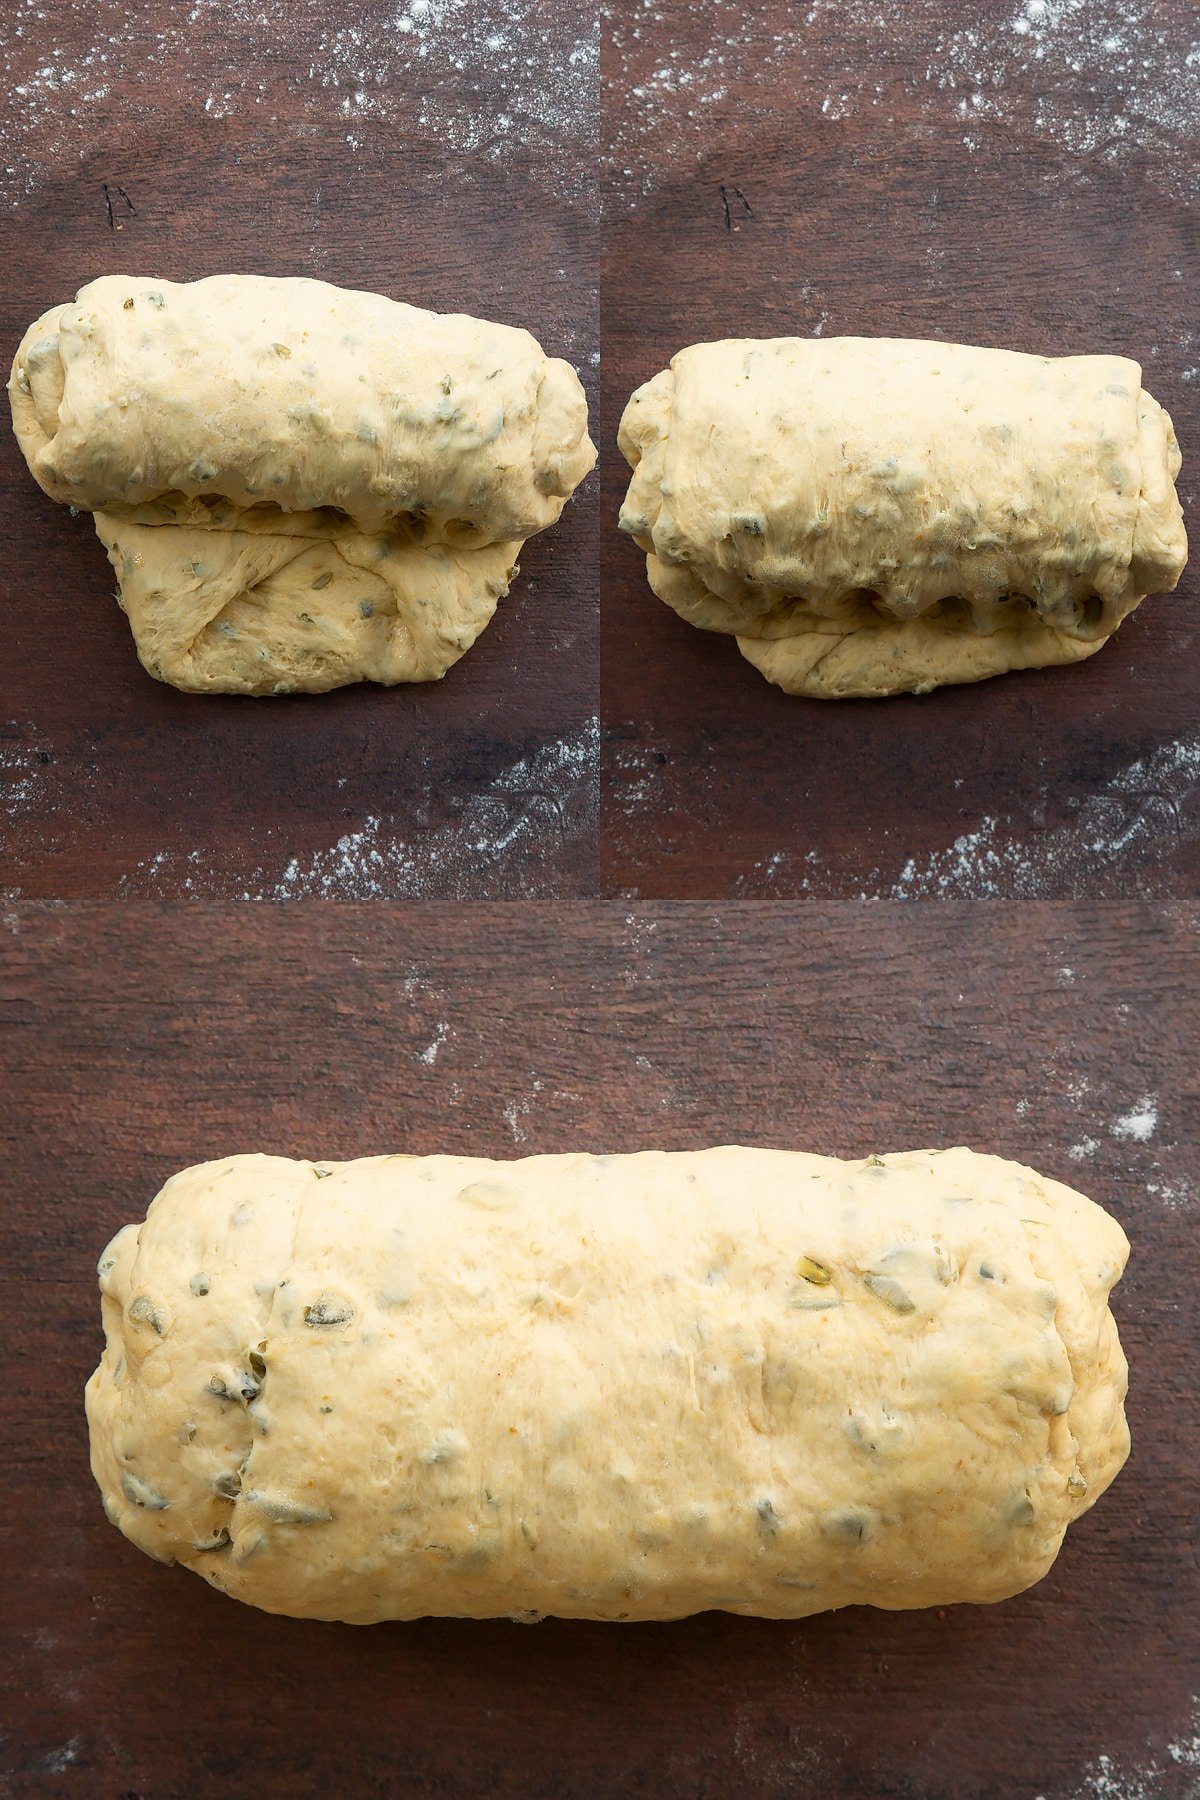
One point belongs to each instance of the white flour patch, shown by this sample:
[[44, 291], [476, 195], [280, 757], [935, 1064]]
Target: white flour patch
[[19, 769], [639, 945], [1103, 1780], [60, 1760], [56, 789], [1172, 1194], [483, 76], [1108, 1779], [430, 1053], [1084, 1149], [765, 873], [1139, 1122], [522, 817], [632, 795], [1106, 79], [517, 1110], [1186, 1751], [1152, 796]]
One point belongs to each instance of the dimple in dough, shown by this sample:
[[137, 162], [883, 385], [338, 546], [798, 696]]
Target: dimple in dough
[[609, 1387], [871, 516], [298, 485]]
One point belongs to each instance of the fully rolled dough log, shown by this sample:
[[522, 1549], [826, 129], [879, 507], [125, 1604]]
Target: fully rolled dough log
[[869, 516], [298, 485], [610, 1387]]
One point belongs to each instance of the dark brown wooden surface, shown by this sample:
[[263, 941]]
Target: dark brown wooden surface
[[138, 1039], [988, 171], [450, 164]]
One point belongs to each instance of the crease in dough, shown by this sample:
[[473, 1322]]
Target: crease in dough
[[611, 1387], [869, 516], [365, 473]]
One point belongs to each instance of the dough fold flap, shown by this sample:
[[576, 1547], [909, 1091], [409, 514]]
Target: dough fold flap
[[932, 512], [297, 394], [609, 1387], [308, 606]]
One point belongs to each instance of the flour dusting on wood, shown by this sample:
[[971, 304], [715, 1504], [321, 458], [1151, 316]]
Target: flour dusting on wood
[[482, 76], [1106, 79], [1139, 1122], [1155, 1775], [508, 840], [1153, 801]]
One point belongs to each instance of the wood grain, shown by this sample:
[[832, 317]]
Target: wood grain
[[135, 1039], [483, 784], [983, 172]]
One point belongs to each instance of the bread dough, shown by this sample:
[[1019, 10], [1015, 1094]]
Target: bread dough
[[299, 395], [280, 603], [870, 516], [298, 485], [609, 1387]]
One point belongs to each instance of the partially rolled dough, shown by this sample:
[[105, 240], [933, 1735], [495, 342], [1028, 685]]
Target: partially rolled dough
[[870, 516], [611, 1387], [298, 485]]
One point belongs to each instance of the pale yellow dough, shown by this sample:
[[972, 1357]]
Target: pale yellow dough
[[871, 516], [298, 485], [609, 1387], [281, 603]]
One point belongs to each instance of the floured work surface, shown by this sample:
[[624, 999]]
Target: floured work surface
[[531, 1031]]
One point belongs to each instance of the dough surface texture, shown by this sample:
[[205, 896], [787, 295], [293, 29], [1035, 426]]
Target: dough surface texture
[[298, 485], [609, 1387], [872, 516]]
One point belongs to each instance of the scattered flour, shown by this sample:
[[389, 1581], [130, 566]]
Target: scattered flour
[[525, 806], [519, 1109], [429, 1055], [483, 76], [639, 944], [58, 1761], [1186, 1752], [637, 790], [1173, 1194], [1084, 1149], [1106, 1778], [19, 768], [1103, 1780], [1142, 804], [1119, 841], [1097, 78], [508, 838], [1139, 1122]]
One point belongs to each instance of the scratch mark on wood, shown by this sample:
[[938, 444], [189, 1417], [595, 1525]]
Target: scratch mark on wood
[[116, 188], [727, 209]]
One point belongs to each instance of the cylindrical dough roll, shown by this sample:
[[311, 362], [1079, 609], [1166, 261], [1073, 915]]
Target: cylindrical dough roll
[[297, 394], [612, 1387], [869, 515]]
